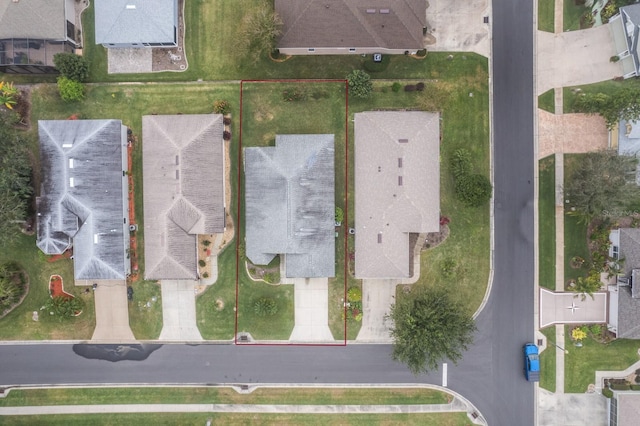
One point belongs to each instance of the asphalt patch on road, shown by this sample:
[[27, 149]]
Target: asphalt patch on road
[[115, 353]]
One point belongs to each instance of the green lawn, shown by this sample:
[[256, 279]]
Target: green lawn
[[546, 15], [609, 87], [547, 223], [145, 310], [580, 364], [223, 395], [572, 14], [548, 361], [19, 325], [547, 101], [575, 230], [440, 419]]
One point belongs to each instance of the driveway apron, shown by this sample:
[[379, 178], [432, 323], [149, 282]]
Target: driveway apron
[[179, 311], [112, 313], [377, 297], [311, 311]]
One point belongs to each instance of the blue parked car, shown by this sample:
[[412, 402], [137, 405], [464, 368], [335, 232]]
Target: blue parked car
[[531, 362]]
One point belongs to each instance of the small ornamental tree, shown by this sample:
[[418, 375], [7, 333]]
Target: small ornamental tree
[[265, 306], [70, 90], [221, 107], [72, 66], [360, 85], [63, 307], [354, 294], [226, 135], [339, 217], [473, 190], [460, 162]]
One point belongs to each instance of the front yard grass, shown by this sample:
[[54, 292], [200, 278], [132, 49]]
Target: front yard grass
[[547, 223], [609, 87], [548, 360], [546, 15], [580, 364], [575, 230], [145, 310], [572, 14], [547, 101]]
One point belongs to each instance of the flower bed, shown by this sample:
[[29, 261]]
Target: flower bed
[[56, 288]]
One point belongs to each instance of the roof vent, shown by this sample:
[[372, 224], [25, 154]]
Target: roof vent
[[379, 237], [131, 6], [371, 11], [385, 11], [399, 162], [399, 180], [403, 140]]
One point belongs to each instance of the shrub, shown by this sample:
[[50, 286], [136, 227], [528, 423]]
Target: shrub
[[72, 66], [619, 387], [595, 329], [221, 107], [614, 58], [226, 135], [70, 90], [420, 87], [607, 393], [271, 277], [202, 263], [226, 121], [275, 53], [206, 243], [635, 387], [395, 87], [460, 162], [339, 217], [421, 53], [265, 306], [205, 275], [64, 307], [410, 88], [473, 190], [360, 85], [354, 294]]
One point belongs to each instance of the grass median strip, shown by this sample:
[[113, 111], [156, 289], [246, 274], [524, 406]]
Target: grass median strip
[[547, 228]]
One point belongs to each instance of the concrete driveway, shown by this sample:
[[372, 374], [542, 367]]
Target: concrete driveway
[[574, 58], [377, 297], [566, 308], [571, 409], [311, 311], [458, 26], [112, 313], [179, 311]]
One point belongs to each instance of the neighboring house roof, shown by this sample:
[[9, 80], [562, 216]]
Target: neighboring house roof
[[397, 188], [37, 19], [352, 23], [290, 204], [183, 176], [630, 21], [136, 21], [624, 408], [628, 299], [83, 195]]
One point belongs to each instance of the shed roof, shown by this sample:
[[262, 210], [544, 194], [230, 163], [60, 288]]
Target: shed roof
[[397, 188], [352, 23], [136, 21], [38, 19], [82, 197], [183, 175], [290, 204]]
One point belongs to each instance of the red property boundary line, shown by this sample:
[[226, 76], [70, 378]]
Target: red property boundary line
[[346, 211]]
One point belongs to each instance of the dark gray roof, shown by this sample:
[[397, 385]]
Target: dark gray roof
[[630, 249], [397, 176], [136, 21], [629, 304], [41, 19], [387, 24], [83, 195], [631, 21], [290, 204], [183, 169]]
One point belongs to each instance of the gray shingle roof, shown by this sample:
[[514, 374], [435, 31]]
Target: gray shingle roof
[[628, 304], [83, 195], [397, 188], [136, 21], [352, 23], [38, 19], [290, 204], [631, 20], [183, 174]]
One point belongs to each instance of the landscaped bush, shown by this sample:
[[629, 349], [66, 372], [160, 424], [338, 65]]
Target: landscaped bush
[[202, 263], [226, 135], [420, 87], [410, 88], [633, 387], [395, 87], [360, 85], [460, 162], [13, 285], [70, 90], [226, 121], [205, 275], [206, 243], [64, 307], [421, 53], [607, 393], [620, 387], [473, 190], [265, 307], [72, 66], [339, 217], [354, 294], [221, 107]]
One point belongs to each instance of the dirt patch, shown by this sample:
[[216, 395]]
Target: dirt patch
[[219, 304], [434, 239], [174, 58]]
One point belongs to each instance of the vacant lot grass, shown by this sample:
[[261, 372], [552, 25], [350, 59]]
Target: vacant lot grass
[[575, 230], [19, 325], [546, 15], [580, 364], [223, 395], [572, 15], [145, 310], [548, 360], [440, 419], [547, 101], [547, 223]]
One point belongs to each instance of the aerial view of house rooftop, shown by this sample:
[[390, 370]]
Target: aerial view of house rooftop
[[397, 161], [351, 26], [625, 28], [183, 176], [290, 204], [136, 23], [32, 31], [624, 294], [83, 196]]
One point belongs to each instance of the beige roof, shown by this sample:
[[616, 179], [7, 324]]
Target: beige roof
[[387, 24], [397, 187], [183, 173], [41, 19]]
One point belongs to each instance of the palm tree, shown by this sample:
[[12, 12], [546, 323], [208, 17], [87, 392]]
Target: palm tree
[[7, 94]]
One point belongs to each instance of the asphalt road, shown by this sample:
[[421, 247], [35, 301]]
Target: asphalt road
[[490, 375]]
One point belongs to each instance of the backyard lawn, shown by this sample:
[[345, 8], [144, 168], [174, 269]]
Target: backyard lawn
[[547, 223]]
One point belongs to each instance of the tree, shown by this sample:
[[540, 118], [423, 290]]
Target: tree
[[429, 326], [360, 85], [15, 181], [259, 31], [72, 66], [589, 285], [64, 307], [604, 181], [473, 190], [623, 104], [70, 90], [8, 94]]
